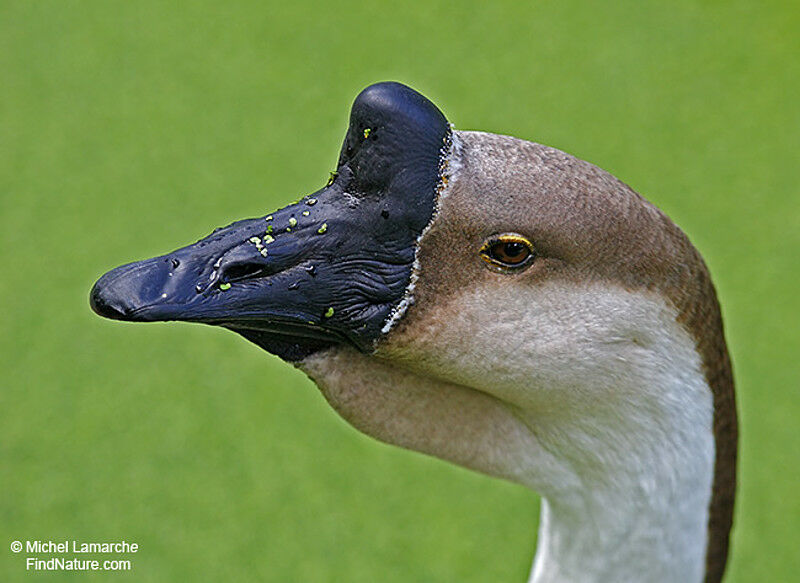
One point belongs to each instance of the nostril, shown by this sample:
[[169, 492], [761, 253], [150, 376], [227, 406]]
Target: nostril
[[243, 270]]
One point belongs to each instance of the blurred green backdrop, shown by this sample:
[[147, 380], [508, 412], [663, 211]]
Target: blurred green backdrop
[[128, 129]]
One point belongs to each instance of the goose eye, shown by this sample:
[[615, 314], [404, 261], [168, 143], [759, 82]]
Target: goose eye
[[507, 252]]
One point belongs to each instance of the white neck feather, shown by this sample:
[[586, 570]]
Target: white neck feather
[[600, 406], [641, 510]]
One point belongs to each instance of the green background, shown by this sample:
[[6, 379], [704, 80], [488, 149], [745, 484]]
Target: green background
[[128, 129]]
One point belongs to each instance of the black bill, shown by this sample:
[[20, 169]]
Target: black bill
[[330, 268]]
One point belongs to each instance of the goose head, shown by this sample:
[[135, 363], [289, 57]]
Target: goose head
[[499, 304]]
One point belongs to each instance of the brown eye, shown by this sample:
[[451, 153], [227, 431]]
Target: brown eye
[[507, 252]]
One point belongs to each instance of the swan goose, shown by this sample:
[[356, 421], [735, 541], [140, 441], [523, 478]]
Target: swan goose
[[501, 305]]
